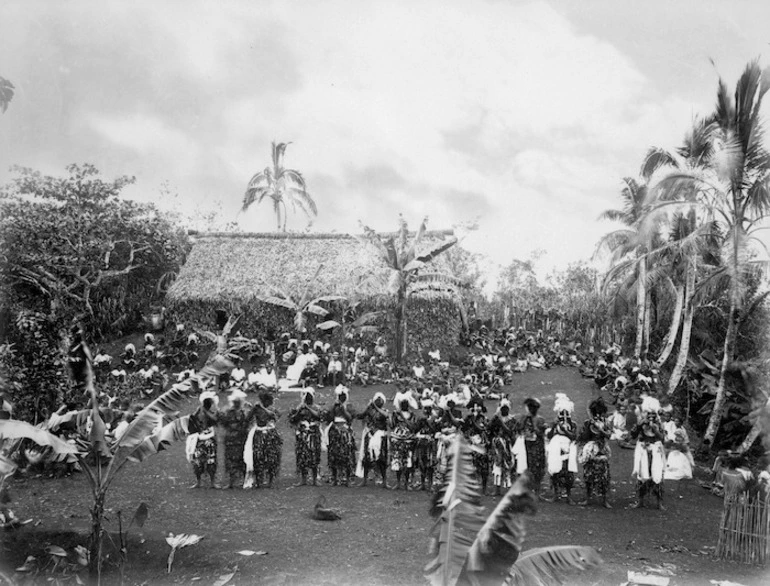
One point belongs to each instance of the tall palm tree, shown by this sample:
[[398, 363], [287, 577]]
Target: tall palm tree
[[280, 185], [405, 264], [630, 242], [732, 190]]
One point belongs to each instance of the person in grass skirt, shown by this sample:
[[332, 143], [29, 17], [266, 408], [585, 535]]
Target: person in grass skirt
[[649, 457], [403, 425], [426, 444], [561, 453], [235, 427], [531, 428], [595, 453], [262, 452], [341, 442], [373, 452], [202, 442], [306, 420], [502, 433], [476, 431]]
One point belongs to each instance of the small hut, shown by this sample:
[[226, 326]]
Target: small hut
[[228, 274]]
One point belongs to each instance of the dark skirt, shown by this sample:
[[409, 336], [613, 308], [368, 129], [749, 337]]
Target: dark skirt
[[402, 453], [342, 447], [596, 473], [536, 459], [234, 456], [425, 451], [204, 459], [267, 452], [308, 449]]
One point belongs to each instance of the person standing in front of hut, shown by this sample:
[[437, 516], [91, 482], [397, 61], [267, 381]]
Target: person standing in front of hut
[[531, 428], [202, 442], [426, 447], [402, 424], [341, 442], [306, 420], [262, 452], [373, 452], [235, 427], [595, 454]]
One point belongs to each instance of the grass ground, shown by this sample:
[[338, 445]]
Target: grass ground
[[383, 535]]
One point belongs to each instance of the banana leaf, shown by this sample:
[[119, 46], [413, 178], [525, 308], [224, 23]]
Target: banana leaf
[[545, 566], [457, 507], [499, 541], [176, 430], [15, 429]]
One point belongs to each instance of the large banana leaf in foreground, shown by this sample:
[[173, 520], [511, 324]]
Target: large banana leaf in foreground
[[175, 431], [457, 506], [500, 539], [548, 565], [142, 427], [15, 429]]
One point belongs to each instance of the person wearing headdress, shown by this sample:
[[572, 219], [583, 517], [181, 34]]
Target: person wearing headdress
[[502, 431], [450, 423], [235, 428], [341, 442], [476, 431], [402, 439], [595, 453], [373, 452], [306, 420], [562, 450], [425, 446], [334, 374], [531, 428], [202, 442], [262, 452], [649, 457]]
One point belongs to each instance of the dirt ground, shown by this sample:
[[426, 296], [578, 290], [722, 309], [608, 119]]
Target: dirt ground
[[383, 536]]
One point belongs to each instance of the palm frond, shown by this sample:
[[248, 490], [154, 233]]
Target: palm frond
[[371, 238], [411, 253], [545, 566], [316, 310], [328, 325], [280, 301], [428, 256], [654, 160], [278, 151]]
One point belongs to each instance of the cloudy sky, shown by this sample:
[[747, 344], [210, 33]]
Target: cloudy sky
[[523, 116]]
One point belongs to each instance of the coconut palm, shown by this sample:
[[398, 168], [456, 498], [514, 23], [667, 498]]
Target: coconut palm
[[406, 264], [630, 242], [280, 185], [472, 549], [732, 190]]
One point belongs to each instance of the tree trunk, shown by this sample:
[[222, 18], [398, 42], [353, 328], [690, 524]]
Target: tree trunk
[[684, 344], [400, 323], [641, 296], [95, 542], [756, 430], [721, 397], [647, 320], [676, 321]]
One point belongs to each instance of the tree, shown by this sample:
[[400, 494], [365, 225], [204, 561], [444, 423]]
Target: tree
[[471, 549], [71, 245], [6, 93], [406, 266], [280, 184], [304, 305], [630, 242], [733, 192]]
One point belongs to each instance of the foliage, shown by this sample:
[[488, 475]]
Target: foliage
[[280, 185], [6, 93], [472, 549]]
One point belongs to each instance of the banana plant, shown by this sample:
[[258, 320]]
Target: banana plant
[[153, 428], [470, 549]]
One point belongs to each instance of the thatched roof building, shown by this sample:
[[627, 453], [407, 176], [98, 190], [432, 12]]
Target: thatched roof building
[[231, 271]]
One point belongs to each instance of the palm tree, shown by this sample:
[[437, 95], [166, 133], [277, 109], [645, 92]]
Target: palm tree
[[732, 190], [280, 184], [405, 264], [630, 242], [6, 93], [470, 548]]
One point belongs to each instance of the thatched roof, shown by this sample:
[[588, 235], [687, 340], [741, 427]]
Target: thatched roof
[[244, 266]]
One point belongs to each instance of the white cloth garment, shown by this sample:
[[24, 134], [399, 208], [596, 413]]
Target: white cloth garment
[[643, 469], [519, 452], [559, 449]]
